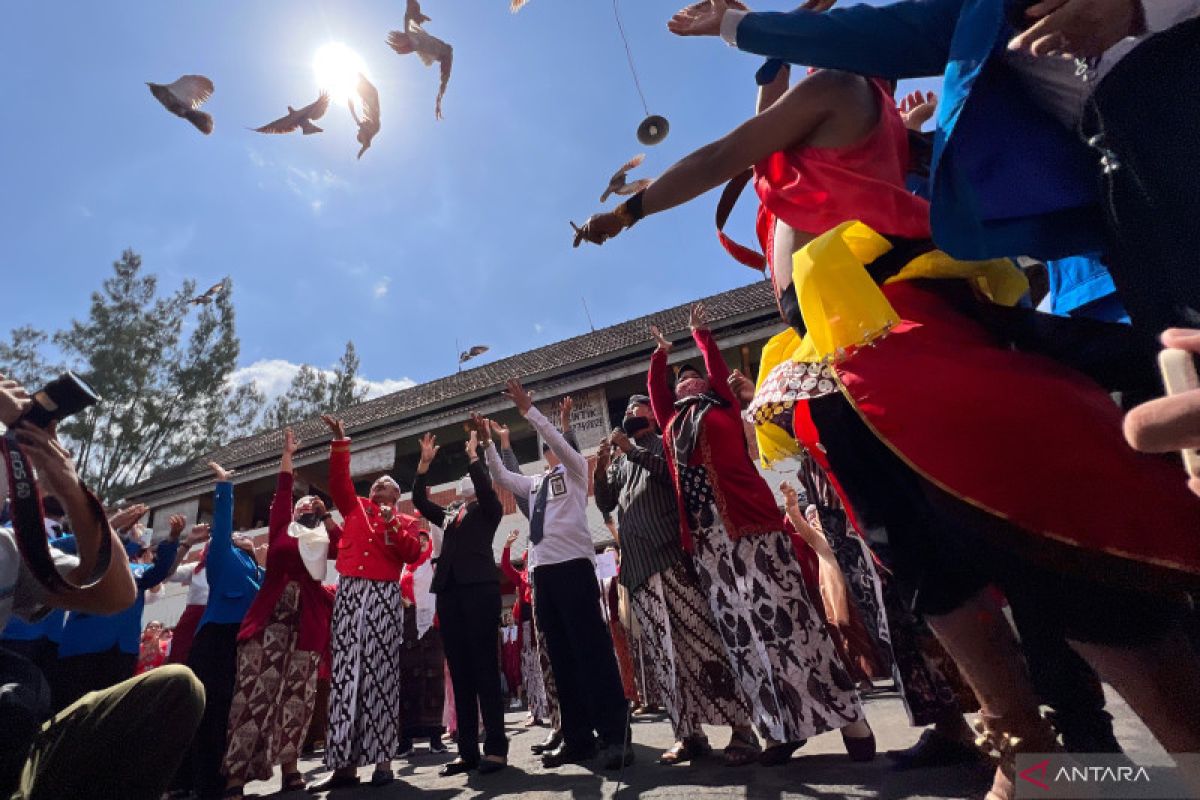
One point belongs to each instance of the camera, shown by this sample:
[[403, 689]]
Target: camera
[[60, 398]]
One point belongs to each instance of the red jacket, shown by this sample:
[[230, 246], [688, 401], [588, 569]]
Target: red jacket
[[370, 547], [745, 502], [284, 565], [520, 580]]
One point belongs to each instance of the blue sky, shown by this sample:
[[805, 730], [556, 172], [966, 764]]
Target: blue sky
[[444, 230]]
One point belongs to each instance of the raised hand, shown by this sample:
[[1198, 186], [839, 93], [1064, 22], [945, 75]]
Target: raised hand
[[500, 430], [318, 507], [335, 424], [702, 18], [290, 444], [789, 495], [484, 427], [197, 535], [511, 538], [620, 440], [14, 401], [698, 317], [220, 472], [564, 413], [604, 453], [128, 516], [741, 386], [520, 398], [598, 229], [1080, 28], [53, 462], [661, 340], [429, 449], [177, 522], [473, 446], [916, 109]]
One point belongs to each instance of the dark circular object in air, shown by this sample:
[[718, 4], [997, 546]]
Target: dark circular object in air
[[653, 129]]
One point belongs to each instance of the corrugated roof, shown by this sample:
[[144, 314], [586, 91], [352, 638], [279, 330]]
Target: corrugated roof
[[728, 307]]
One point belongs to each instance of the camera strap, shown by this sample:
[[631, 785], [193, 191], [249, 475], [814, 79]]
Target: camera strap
[[29, 527]]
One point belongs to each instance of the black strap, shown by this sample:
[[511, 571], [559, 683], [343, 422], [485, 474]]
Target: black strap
[[29, 525]]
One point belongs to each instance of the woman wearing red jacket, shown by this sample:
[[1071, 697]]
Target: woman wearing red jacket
[[531, 665], [777, 646], [280, 643]]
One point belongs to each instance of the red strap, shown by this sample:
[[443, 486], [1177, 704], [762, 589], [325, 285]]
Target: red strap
[[729, 197]]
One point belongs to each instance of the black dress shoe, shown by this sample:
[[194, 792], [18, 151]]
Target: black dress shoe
[[569, 755], [551, 742], [935, 750], [456, 768], [487, 766], [615, 756]]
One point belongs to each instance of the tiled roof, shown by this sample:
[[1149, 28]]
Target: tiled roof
[[750, 305]]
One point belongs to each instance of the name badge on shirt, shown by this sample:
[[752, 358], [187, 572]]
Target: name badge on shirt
[[558, 485]]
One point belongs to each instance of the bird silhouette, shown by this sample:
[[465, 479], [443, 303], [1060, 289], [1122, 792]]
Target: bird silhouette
[[184, 97], [617, 184], [516, 5], [209, 295], [477, 350], [412, 14], [299, 118], [429, 49], [368, 126]]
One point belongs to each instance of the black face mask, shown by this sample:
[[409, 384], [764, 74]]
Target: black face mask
[[634, 425], [308, 520]]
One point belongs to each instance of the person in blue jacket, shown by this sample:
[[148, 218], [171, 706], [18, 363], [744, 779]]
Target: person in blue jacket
[[98, 651], [234, 578], [1010, 175]]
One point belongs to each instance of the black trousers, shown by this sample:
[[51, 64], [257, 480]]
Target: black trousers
[[75, 676], [469, 620], [214, 660], [1143, 120], [566, 602]]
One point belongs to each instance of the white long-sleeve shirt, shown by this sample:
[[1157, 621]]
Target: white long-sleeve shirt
[[565, 532], [197, 583]]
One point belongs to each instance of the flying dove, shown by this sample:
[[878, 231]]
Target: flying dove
[[184, 97], [209, 294], [467, 355], [429, 49], [412, 14], [516, 5], [617, 184], [368, 125], [299, 118]]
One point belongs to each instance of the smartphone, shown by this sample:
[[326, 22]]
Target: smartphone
[[1179, 374]]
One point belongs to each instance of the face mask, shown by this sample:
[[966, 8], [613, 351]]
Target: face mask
[[634, 425], [689, 387], [308, 519]]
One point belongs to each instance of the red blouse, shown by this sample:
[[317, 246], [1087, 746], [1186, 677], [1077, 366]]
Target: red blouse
[[284, 565], [370, 548], [520, 579], [745, 502]]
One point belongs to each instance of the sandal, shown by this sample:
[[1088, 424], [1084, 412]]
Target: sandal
[[743, 749], [292, 782], [779, 754], [685, 750]]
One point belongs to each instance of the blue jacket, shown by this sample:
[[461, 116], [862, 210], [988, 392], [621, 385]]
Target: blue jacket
[[89, 633], [49, 627], [234, 577], [1080, 286], [1006, 178]]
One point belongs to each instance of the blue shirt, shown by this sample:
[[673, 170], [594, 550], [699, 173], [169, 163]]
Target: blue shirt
[[1080, 286], [234, 577]]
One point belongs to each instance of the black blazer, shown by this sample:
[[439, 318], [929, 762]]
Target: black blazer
[[466, 556]]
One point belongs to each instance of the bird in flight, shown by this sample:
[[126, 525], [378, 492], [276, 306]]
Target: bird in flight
[[516, 5], [429, 49], [413, 15], [184, 97], [617, 184], [209, 294], [467, 355], [301, 118], [368, 125]]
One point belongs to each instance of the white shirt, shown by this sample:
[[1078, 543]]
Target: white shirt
[[20, 593], [197, 583], [566, 535]]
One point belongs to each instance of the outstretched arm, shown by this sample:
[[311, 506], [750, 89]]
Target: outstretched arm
[[512, 480], [341, 487], [485, 493], [420, 494], [509, 459], [571, 458], [714, 362], [662, 399]]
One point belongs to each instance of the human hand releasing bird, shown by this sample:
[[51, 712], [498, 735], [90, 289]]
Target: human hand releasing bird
[[617, 184], [301, 118], [184, 97], [368, 125], [429, 49], [209, 295]]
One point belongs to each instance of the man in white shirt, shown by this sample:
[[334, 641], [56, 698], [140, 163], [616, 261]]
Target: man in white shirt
[[566, 596]]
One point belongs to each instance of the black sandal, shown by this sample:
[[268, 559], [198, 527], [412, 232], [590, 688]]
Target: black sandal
[[779, 754], [292, 782], [742, 750]]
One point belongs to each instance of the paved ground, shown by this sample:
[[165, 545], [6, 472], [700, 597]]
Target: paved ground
[[820, 770]]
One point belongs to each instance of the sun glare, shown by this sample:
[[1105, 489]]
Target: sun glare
[[336, 67]]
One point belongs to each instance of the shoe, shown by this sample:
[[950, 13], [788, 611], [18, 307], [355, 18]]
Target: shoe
[[1006, 737], [333, 781], [860, 748], [436, 745], [382, 777], [1089, 732], [615, 756], [569, 755], [487, 766], [456, 767], [935, 749], [405, 749], [779, 754], [551, 742], [686, 750]]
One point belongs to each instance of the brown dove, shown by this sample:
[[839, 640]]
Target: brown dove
[[413, 15], [209, 294], [299, 118], [368, 125], [184, 97], [617, 184], [516, 5], [429, 49]]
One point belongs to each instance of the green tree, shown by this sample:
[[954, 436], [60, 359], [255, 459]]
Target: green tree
[[313, 391], [25, 358]]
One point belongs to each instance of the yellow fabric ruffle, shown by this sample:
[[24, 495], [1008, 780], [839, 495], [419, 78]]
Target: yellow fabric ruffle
[[844, 308]]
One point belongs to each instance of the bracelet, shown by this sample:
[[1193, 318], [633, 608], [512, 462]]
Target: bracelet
[[630, 211]]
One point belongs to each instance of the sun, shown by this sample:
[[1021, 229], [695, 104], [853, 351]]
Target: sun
[[336, 67]]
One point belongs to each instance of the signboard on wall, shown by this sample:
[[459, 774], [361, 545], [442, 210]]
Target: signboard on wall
[[371, 460], [589, 416]]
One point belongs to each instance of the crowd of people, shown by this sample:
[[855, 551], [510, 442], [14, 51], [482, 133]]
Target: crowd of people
[[982, 511]]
